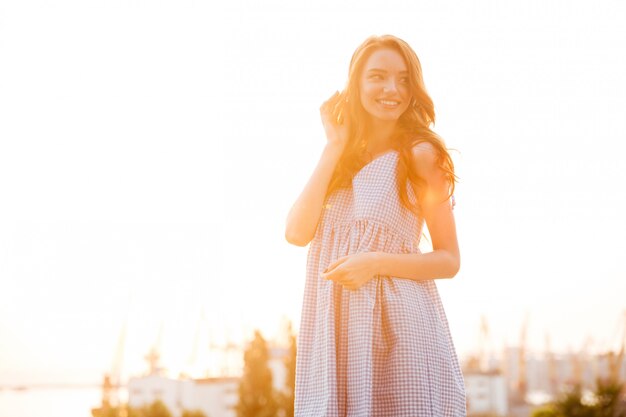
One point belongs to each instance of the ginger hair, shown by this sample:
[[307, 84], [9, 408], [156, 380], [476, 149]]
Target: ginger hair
[[413, 127]]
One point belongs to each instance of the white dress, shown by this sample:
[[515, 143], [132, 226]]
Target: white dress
[[384, 349]]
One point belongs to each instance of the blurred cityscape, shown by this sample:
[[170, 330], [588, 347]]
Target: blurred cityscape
[[511, 382]]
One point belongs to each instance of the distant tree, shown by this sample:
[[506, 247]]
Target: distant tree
[[571, 404], [116, 412], [545, 411], [105, 411], [607, 403], [156, 409], [193, 413], [286, 397], [256, 393]]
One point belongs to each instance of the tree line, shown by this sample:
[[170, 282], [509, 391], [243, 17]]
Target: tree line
[[606, 401], [257, 395]]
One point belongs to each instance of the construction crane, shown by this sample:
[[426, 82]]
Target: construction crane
[[483, 355], [154, 355], [193, 361], [552, 371], [479, 361], [522, 383], [615, 360], [118, 361], [230, 353], [112, 381], [578, 363]]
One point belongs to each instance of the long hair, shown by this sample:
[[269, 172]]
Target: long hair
[[412, 128]]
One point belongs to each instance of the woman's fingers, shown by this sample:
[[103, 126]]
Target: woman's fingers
[[331, 275], [332, 99], [338, 108], [335, 264], [325, 105], [341, 278], [334, 272], [334, 106]]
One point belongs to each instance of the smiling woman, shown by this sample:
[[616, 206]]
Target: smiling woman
[[374, 338], [384, 85]]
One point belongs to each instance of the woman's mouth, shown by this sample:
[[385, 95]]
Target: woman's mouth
[[390, 104]]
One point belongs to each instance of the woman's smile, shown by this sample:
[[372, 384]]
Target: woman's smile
[[384, 87], [390, 104]]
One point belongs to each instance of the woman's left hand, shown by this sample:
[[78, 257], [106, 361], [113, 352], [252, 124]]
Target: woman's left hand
[[352, 271]]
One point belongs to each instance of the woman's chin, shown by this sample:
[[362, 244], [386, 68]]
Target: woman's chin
[[387, 117]]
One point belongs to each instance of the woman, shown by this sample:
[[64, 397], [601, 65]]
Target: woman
[[374, 339]]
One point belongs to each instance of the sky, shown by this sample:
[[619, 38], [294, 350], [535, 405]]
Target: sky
[[151, 150]]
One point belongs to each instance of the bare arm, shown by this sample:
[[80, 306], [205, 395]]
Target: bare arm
[[305, 213], [443, 262]]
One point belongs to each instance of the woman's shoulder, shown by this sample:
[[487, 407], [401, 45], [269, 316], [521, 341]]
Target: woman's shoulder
[[427, 160], [424, 157]]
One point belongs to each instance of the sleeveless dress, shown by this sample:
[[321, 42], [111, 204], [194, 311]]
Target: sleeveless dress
[[384, 350]]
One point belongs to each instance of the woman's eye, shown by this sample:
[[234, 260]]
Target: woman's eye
[[404, 80], [375, 77]]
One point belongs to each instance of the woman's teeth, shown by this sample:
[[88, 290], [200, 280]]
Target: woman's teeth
[[389, 102]]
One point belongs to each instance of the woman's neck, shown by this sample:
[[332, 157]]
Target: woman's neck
[[380, 135]]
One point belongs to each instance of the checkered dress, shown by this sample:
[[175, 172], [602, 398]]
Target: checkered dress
[[384, 349]]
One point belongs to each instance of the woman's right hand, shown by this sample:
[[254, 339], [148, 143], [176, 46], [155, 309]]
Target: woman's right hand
[[305, 214], [336, 123]]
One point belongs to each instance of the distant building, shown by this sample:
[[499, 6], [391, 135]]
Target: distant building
[[276, 364], [216, 397], [486, 392]]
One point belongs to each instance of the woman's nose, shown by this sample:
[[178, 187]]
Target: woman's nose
[[390, 86]]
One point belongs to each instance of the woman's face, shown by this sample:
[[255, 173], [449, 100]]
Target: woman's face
[[384, 85]]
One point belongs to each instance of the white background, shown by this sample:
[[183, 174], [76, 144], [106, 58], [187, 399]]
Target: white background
[[150, 151]]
